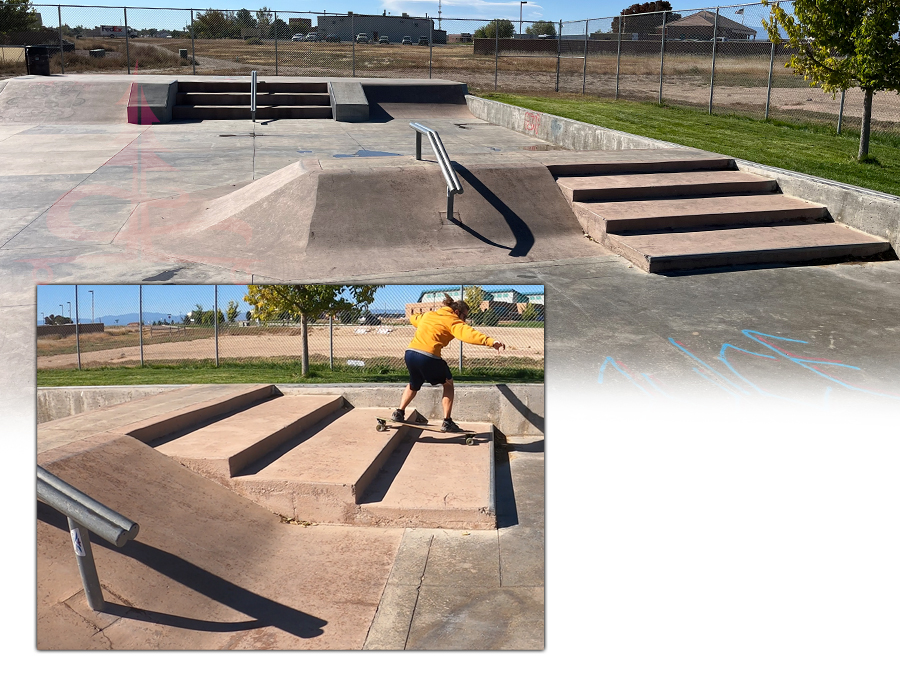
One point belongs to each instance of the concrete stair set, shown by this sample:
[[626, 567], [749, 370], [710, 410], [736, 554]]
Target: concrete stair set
[[678, 215], [216, 100], [311, 458]]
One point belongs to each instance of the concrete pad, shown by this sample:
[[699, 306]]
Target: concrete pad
[[348, 102], [463, 559], [62, 99], [478, 619]]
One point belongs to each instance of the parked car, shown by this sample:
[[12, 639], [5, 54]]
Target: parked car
[[368, 318], [384, 40], [362, 38], [423, 41], [312, 37], [299, 37], [407, 40], [332, 38]]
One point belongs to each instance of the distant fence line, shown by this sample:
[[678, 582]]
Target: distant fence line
[[717, 59], [217, 330]]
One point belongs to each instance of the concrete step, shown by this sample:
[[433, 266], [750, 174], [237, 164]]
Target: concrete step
[[435, 480], [691, 213], [755, 245], [223, 448], [639, 166], [662, 184], [243, 112], [244, 86], [243, 99], [320, 475]]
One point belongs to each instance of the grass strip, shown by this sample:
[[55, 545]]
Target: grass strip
[[801, 147], [205, 372]]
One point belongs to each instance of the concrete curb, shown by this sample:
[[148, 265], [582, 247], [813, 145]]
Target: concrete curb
[[515, 409], [867, 210]]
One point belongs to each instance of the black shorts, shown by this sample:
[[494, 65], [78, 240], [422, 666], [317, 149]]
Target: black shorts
[[423, 368]]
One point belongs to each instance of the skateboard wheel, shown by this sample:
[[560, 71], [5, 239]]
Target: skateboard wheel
[[470, 441], [380, 428]]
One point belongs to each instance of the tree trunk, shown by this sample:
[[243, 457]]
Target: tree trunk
[[304, 360], [865, 126]]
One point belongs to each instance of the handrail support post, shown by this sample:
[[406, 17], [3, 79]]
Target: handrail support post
[[81, 541]]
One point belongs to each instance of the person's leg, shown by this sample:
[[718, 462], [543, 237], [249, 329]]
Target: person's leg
[[447, 399], [407, 397], [415, 383]]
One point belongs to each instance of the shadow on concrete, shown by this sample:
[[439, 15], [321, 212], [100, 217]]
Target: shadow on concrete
[[266, 611], [505, 495], [518, 227], [378, 114], [532, 417]]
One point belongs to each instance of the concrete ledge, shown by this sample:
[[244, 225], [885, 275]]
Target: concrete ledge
[[515, 409], [348, 102], [867, 210], [151, 102]]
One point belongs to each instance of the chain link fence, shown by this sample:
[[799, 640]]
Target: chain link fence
[[715, 59], [214, 325]]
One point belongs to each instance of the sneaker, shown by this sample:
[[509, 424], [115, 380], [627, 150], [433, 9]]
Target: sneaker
[[448, 426], [398, 416]]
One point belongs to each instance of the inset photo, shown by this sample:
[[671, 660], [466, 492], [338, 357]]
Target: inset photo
[[305, 466]]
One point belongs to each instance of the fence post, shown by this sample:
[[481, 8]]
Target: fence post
[[662, 57], [496, 50], [584, 63], [331, 341], [619, 51], [193, 52], [127, 55], [712, 76], [462, 297], [558, 51], [62, 54], [353, 46], [77, 335], [81, 541], [216, 304], [769, 86], [141, 317], [275, 24], [430, 48], [841, 113]]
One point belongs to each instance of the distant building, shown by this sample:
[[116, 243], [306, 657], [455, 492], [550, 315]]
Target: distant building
[[700, 26], [509, 303], [394, 27]]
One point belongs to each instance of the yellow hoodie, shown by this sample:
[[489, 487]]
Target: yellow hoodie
[[435, 329]]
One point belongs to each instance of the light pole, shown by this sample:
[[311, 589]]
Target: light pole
[[61, 309], [522, 2], [91, 292], [70, 309]]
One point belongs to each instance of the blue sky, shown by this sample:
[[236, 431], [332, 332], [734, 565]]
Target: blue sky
[[552, 10], [112, 300]]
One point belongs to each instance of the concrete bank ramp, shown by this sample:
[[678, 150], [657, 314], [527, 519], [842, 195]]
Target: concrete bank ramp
[[209, 569], [55, 100], [305, 221]]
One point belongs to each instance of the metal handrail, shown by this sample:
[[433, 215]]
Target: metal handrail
[[454, 187], [85, 514]]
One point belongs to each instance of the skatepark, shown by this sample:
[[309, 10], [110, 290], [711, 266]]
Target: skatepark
[[657, 260]]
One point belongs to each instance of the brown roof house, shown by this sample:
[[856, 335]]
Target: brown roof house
[[700, 26]]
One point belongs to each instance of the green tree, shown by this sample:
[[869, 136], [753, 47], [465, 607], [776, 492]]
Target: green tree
[[216, 24], [530, 312], [839, 44], [280, 30], [231, 312], [644, 22], [307, 301], [245, 19], [263, 20], [541, 28], [504, 27], [18, 15]]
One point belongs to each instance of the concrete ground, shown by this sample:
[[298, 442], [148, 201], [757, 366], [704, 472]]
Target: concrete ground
[[688, 528]]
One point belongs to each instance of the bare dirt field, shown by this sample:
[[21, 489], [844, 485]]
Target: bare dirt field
[[350, 342]]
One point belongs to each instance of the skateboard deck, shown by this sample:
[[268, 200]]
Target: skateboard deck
[[385, 424]]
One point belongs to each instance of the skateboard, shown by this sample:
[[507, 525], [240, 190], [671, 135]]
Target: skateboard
[[384, 424]]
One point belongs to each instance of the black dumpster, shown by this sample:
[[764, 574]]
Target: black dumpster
[[37, 59]]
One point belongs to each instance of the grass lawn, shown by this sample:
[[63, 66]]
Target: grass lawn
[[205, 371], [807, 148]]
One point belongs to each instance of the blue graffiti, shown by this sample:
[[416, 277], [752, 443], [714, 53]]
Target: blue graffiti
[[737, 385]]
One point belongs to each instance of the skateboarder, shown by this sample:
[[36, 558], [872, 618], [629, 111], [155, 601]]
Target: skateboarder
[[434, 330]]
